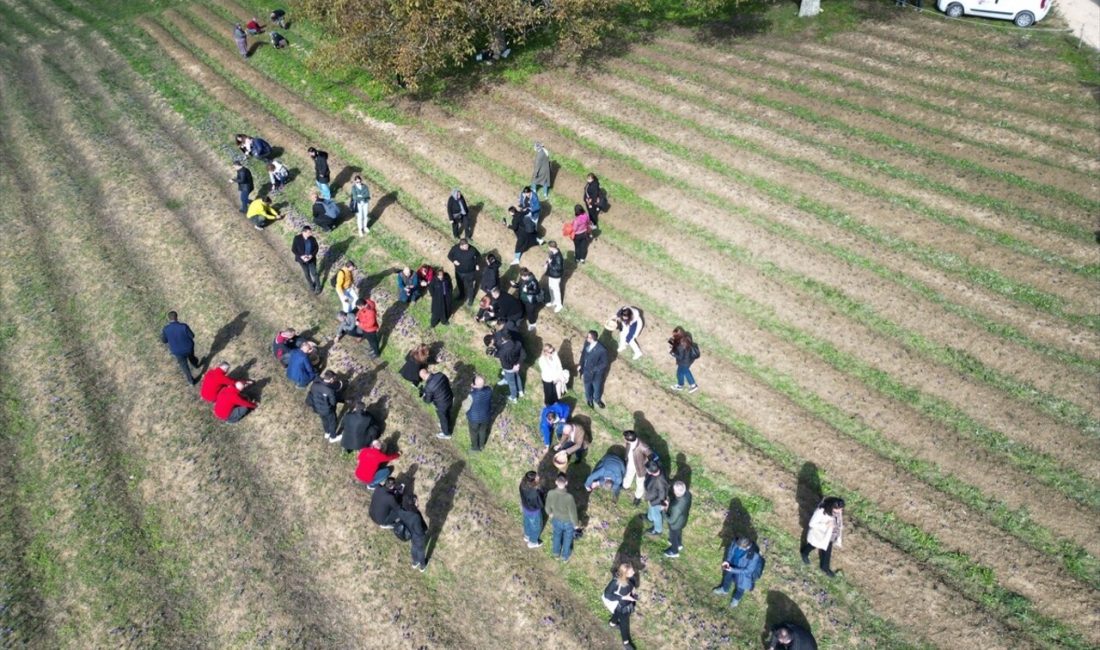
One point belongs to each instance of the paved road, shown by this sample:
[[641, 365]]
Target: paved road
[[1083, 17]]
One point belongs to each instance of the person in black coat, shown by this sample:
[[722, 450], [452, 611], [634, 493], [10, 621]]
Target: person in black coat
[[526, 230], [459, 214], [243, 179], [465, 258], [181, 343], [321, 171], [592, 200], [415, 361], [511, 354], [323, 397], [507, 309], [437, 392], [789, 636], [414, 522], [490, 273], [384, 506], [593, 368], [357, 429], [441, 291], [305, 249]]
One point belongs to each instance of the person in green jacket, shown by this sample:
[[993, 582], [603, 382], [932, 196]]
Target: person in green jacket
[[678, 507], [561, 507], [360, 202]]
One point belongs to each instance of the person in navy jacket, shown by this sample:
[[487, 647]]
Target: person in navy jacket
[[299, 368], [181, 343], [480, 413], [593, 368]]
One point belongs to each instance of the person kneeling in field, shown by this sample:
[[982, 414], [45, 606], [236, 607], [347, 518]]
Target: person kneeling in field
[[230, 406], [261, 212], [278, 41], [608, 473]]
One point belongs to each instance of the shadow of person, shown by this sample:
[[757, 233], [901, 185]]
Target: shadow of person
[[255, 46], [390, 318], [781, 609], [227, 333], [463, 381], [408, 480], [575, 474], [649, 436], [554, 169], [738, 523], [607, 339], [332, 257], [630, 548], [255, 390], [807, 494], [386, 201], [390, 444], [359, 385], [475, 210], [368, 283], [343, 178], [440, 502], [683, 470], [380, 411]]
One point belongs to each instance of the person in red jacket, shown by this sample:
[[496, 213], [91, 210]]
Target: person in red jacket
[[231, 406], [366, 319], [372, 469], [214, 381]]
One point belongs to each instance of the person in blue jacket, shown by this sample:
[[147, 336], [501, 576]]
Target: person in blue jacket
[[299, 368], [408, 285], [742, 567], [479, 413], [259, 148], [181, 343], [609, 473], [551, 418]]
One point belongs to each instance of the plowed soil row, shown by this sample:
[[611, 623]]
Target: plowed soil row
[[982, 171], [440, 156], [334, 551], [639, 389]]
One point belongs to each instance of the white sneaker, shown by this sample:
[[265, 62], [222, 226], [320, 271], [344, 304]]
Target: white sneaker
[[637, 356], [521, 393], [558, 308], [531, 328], [335, 438], [534, 544], [676, 387], [442, 436]]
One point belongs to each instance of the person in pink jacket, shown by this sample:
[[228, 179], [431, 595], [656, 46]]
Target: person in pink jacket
[[825, 531]]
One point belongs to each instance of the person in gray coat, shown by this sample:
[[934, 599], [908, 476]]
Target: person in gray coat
[[541, 175], [678, 507]]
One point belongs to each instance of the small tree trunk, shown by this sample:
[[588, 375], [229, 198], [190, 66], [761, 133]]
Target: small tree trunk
[[809, 8]]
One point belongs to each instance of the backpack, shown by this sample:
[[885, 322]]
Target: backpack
[[759, 569], [567, 230], [695, 354], [530, 224], [604, 205], [400, 531], [332, 211]]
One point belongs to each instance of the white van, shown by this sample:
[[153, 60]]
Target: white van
[[1022, 12]]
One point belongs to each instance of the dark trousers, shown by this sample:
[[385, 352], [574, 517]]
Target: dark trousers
[[440, 312], [309, 269], [594, 214], [531, 311], [237, 413], [593, 387], [444, 413], [823, 555], [479, 434], [549, 393], [328, 423], [419, 549], [244, 198], [372, 339], [623, 621], [580, 245], [467, 287], [676, 538], [461, 226], [186, 361]]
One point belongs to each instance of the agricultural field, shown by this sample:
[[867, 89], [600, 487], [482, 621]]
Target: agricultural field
[[881, 229]]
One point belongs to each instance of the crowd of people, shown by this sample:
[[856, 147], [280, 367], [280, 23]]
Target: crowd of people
[[510, 310]]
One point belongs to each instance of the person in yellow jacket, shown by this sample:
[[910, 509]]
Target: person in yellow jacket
[[345, 286], [261, 212]]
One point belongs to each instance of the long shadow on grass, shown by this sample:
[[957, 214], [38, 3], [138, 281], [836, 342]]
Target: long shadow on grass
[[781, 609], [227, 333], [738, 523], [440, 502], [386, 201], [807, 494]]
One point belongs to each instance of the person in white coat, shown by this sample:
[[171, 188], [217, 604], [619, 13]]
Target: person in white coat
[[630, 328], [554, 376], [826, 530]]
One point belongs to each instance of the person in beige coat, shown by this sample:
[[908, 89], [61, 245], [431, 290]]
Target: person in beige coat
[[637, 456], [826, 530]]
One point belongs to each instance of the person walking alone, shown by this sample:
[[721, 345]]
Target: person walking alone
[[555, 269], [441, 291], [459, 214], [593, 368], [321, 172], [540, 177], [743, 566], [620, 598], [826, 530], [480, 412], [465, 258], [181, 343], [531, 502], [593, 199], [243, 178], [437, 392], [345, 286], [561, 507], [683, 348], [305, 249], [360, 204], [679, 506]]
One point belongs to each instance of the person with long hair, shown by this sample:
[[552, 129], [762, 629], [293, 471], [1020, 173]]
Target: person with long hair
[[416, 359], [825, 531], [592, 196], [620, 597], [683, 348], [554, 377], [582, 233], [630, 327], [531, 500]]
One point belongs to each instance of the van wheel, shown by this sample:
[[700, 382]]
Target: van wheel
[[954, 10], [1024, 19]]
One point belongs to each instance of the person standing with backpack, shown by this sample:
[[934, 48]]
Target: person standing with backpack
[[555, 269], [742, 567], [360, 204], [685, 351]]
